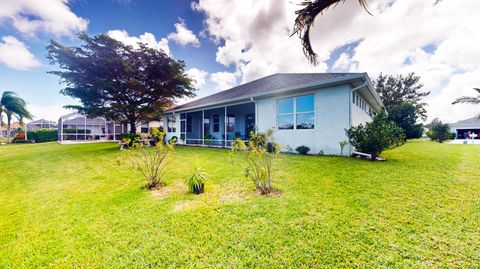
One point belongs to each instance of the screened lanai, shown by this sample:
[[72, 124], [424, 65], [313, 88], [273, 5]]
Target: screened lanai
[[78, 127], [40, 124], [217, 126]]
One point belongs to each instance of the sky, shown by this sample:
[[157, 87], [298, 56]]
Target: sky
[[227, 43]]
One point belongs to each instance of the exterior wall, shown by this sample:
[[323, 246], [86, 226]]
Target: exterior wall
[[169, 135], [332, 117], [359, 115]]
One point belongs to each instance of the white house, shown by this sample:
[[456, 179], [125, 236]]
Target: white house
[[464, 128], [311, 109]]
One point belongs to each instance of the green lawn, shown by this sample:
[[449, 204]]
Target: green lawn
[[73, 206]]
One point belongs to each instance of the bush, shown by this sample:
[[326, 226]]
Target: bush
[[22, 141], [173, 140], [131, 140], [439, 131], [43, 135], [19, 136], [261, 165], [376, 136], [196, 182], [156, 134], [303, 150], [151, 162]]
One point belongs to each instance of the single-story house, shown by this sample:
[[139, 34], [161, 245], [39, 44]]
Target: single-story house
[[13, 129], [464, 128], [311, 109]]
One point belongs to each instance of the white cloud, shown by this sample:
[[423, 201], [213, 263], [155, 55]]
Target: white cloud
[[223, 80], [198, 75], [48, 112], [48, 16], [183, 35], [402, 36], [147, 38], [15, 54]]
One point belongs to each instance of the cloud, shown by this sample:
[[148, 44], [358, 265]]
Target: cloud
[[183, 35], [47, 16], [401, 37], [146, 38], [15, 54], [223, 80], [198, 75]]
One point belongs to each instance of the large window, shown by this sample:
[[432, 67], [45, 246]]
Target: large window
[[296, 113], [230, 123], [171, 124], [216, 123]]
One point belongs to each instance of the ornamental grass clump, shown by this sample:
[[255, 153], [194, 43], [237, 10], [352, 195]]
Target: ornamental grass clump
[[262, 157], [196, 181], [151, 162]]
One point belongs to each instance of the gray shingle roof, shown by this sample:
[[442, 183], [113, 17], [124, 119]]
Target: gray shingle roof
[[470, 121], [265, 85]]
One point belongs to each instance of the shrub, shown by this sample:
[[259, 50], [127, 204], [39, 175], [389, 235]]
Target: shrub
[[156, 134], [173, 140], [43, 135], [439, 131], [376, 136], [19, 136], [321, 153], [196, 182], [151, 162], [342, 146], [131, 140], [303, 150], [261, 165], [22, 141]]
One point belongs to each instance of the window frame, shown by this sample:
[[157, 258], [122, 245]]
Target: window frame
[[174, 128], [294, 111], [230, 121]]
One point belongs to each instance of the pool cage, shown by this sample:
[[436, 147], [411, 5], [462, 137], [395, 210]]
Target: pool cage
[[40, 124], [77, 127]]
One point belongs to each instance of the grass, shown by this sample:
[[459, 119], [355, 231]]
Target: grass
[[69, 206]]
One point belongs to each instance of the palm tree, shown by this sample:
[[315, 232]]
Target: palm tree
[[306, 18], [12, 105], [469, 100]]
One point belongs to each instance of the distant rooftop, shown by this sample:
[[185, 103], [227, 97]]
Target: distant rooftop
[[266, 85], [470, 121]]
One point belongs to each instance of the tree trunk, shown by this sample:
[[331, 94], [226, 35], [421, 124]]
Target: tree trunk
[[9, 119], [133, 126]]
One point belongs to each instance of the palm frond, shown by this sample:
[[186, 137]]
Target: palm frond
[[468, 99], [306, 19]]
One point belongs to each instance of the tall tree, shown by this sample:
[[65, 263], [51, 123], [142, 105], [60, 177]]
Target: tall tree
[[405, 117], [12, 105], [117, 81], [306, 18], [395, 90], [469, 100]]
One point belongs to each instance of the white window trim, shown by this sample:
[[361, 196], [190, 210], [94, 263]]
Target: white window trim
[[295, 113]]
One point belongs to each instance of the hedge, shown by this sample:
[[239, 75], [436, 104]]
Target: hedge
[[43, 135]]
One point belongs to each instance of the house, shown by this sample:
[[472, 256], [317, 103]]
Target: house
[[464, 128], [40, 124], [311, 109], [13, 129]]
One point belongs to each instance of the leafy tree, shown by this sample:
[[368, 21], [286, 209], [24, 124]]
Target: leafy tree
[[117, 81], [469, 100], [306, 18], [395, 90], [12, 105], [405, 117], [376, 136], [439, 131]]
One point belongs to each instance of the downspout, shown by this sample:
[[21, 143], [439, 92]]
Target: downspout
[[350, 109]]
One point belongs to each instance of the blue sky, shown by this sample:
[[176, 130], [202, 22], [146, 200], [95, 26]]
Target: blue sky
[[225, 43]]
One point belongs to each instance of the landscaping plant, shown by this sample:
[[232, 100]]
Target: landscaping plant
[[439, 131], [303, 150], [43, 135], [262, 165], [151, 162], [342, 145], [196, 181], [376, 136]]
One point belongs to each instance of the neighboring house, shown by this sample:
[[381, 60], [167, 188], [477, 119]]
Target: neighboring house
[[40, 124], [463, 128], [311, 109], [13, 129]]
